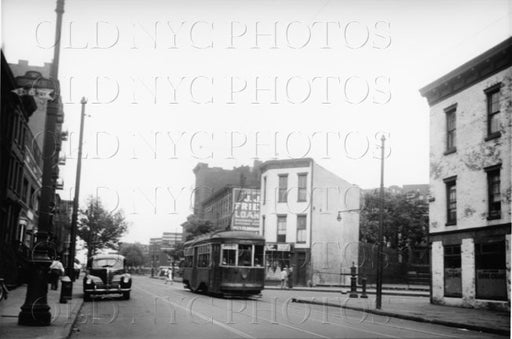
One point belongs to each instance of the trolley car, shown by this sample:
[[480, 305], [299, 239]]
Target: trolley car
[[225, 263]]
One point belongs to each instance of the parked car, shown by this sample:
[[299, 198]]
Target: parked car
[[107, 274]]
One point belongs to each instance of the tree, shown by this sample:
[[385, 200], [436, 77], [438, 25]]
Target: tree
[[133, 254], [195, 226], [405, 220], [177, 252], [99, 228]]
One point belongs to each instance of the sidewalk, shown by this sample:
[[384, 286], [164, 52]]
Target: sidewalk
[[386, 290], [63, 315], [417, 309]]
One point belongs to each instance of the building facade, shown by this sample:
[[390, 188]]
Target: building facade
[[170, 240], [211, 180], [310, 220], [470, 181], [235, 208], [16, 204]]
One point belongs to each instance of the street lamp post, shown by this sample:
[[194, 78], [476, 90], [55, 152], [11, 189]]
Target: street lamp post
[[74, 216], [378, 299], [35, 311]]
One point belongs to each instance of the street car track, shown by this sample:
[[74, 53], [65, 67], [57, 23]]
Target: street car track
[[300, 329], [337, 316], [266, 320], [200, 315]]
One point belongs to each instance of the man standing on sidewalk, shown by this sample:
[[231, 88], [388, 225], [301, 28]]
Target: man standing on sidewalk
[[56, 270], [290, 277], [284, 277]]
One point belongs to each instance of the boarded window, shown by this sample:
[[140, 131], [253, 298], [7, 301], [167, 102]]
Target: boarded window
[[452, 271], [490, 267]]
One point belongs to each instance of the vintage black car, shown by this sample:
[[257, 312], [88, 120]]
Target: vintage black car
[[106, 274]]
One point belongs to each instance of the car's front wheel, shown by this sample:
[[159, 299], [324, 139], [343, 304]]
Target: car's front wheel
[[87, 296], [126, 295]]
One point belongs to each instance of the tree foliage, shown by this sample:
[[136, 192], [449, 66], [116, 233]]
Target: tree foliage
[[133, 254], [177, 252], [195, 226], [405, 220], [99, 228]]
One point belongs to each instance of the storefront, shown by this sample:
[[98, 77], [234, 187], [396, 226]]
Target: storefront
[[470, 267]]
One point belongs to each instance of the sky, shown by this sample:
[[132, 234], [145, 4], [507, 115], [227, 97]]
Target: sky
[[170, 84]]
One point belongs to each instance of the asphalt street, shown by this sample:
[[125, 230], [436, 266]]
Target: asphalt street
[[157, 310]]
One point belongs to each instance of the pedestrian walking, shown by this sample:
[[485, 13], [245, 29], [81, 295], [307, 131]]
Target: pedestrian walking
[[290, 277], [284, 277], [169, 278], [56, 270]]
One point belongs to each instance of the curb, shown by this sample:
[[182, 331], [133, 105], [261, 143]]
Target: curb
[[79, 306], [410, 317], [403, 294]]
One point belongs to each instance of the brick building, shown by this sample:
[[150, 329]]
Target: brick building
[[210, 180], [470, 181], [235, 207], [310, 220]]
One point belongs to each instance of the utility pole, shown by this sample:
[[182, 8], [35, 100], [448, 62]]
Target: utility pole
[[35, 311], [378, 300], [74, 216]]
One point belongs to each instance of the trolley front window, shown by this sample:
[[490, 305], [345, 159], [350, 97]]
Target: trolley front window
[[229, 254], [247, 255]]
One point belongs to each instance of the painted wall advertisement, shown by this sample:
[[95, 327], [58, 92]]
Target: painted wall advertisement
[[246, 216]]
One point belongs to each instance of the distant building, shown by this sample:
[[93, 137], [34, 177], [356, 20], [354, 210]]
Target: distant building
[[470, 181], [156, 256], [159, 248], [234, 207], [210, 180], [170, 240], [310, 220]]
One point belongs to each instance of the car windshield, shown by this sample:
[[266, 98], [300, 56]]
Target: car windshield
[[108, 263]]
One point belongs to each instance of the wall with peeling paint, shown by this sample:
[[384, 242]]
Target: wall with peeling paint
[[472, 156]]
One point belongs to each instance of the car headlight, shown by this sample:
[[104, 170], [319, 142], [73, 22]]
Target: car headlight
[[125, 279], [88, 281]]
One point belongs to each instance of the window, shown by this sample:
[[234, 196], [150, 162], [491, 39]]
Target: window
[[450, 130], [32, 197], [258, 256], [189, 257], [301, 228], [493, 192], [228, 254], [263, 225], [451, 201], [264, 199], [244, 255], [452, 271], [283, 188], [25, 191], [490, 265], [302, 187], [493, 109], [281, 228], [203, 256]]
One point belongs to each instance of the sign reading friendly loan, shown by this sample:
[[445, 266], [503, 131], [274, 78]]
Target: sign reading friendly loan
[[246, 216]]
